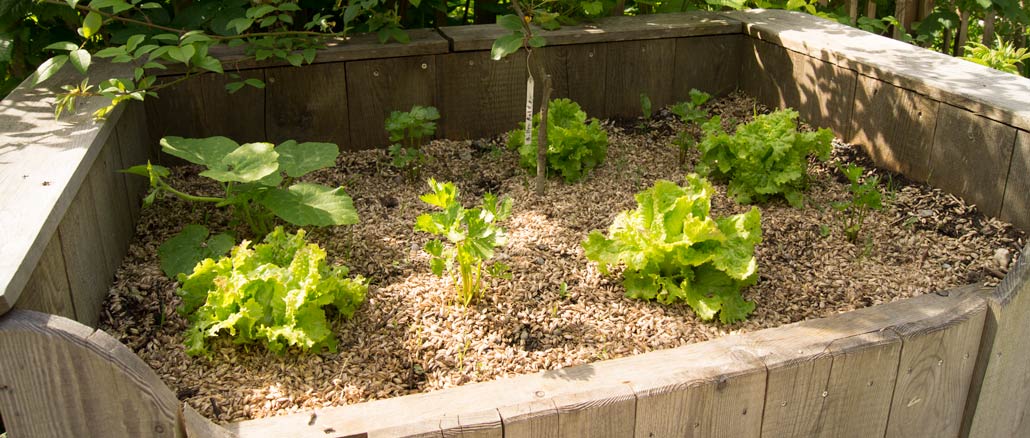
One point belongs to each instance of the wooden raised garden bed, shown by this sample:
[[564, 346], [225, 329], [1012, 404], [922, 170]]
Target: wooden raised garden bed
[[948, 363]]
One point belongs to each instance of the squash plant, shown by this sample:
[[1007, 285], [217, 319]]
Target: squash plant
[[472, 235], [407, 130], [673, 250]]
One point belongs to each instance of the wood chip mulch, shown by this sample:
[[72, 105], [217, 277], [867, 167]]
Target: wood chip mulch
[[411, 337]]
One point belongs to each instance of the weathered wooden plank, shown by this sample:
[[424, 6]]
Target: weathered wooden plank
[[607, 29], [895, 127], [602, 412], [635, 68], [84, 258], [136, 148], [201, 107], [971, 157], [44, 163], [721, 396], [59, 378], [710, 64], [533, 419], [1016, 206], [308, 104], [577, 72], [484, 424], [999, 397], [480, 97], [937, 360], [111, 205], [822, 93], [999, 96], [47, 290], [377, 87]]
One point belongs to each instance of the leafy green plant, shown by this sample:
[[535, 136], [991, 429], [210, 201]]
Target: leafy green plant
[[408, 130], [1003, 56], [766, 157], [690, 113], [645, 106], [257, 180], [182, 252], [865, 197], [472, 235], [274, 293], [574, 146], [673, 250]]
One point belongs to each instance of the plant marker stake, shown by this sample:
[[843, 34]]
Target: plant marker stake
[[529, 111]]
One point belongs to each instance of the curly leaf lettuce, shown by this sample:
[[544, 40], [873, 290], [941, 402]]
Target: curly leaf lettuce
[[275, 293], [673, 251], [574, 147]]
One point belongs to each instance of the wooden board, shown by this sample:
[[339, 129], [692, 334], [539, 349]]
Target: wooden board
[[89, 274], [308, 104], [201, 107], [936, 367], [111, 204], [44, 163], [999, 397], [602, 412], [59, 378], [635, 68], [47, 290], [577, 72], [533, 419], [708, 63], [971, 156], [136, 148], [377, 87], [1000, 96], [895, 127], [480, 97], [606, 29], [1016, 206], [822, 93]]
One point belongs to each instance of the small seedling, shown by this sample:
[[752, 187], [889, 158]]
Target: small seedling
[[865, 197], [408, 130], [645, 106]]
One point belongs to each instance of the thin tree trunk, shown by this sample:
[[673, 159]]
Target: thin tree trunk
[[853, 11], [946, 41], [541, 146], [870, 9], [963, 33], [988, 39], [620, 8]]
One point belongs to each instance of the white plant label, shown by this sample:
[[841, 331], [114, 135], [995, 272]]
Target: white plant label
[[529, 110]]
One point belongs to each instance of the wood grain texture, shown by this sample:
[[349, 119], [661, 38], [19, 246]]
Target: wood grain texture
[[48, 290], [136, 148], [635, 68], [533, 419], [971, 157], [308, 104], [895, 127], [577, 72], [710, 64], [44, 163], [111, 204], [602, 412], [201, 107], [480, 97], [822, 93], [84, 258], [59, 378], [377, 87], [606, 29], [999, 396], [1016, 206], [483, 424], [936, 367], [981, 90]]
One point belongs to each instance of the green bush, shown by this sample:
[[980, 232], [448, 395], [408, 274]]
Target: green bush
[[574, 147]]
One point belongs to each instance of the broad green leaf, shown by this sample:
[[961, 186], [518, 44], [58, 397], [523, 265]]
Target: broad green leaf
[[206, 151], [167, 37], [91, 24], [248, 163], [181, 253], [63, 45], [182, 54], [133, 42], [210, 63], [145, 170], [505, 45], [240, 24], [593, 8], [49, 68], [306, 204], [299, 159], [260, 11], [256, 83], [80, 59], [537, 42], [510, 22]]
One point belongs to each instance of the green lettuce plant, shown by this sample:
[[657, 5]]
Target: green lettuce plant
[[574, 147], [408, 130], [472, 235], [673, 250], [258, 181], [274, 293], [766, 157]]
